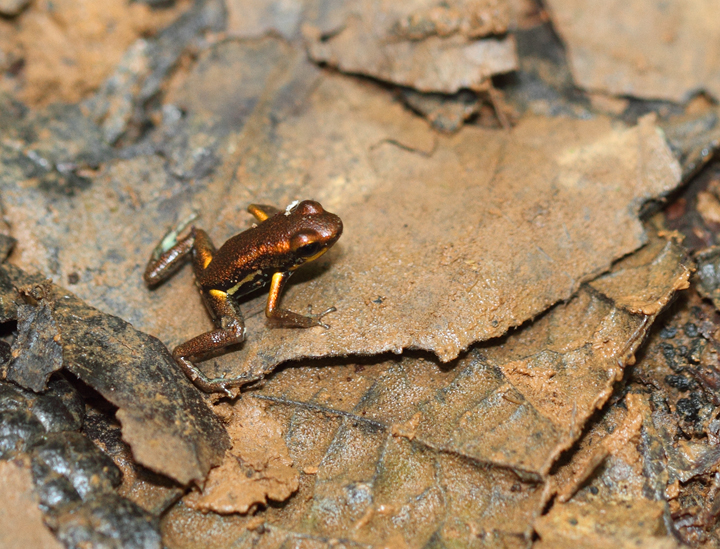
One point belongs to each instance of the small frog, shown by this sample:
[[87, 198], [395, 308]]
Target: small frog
[[269, 252]]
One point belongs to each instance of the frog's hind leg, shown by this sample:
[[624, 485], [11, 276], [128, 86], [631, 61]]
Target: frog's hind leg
[[230, 330], [169, 254], [203, 251], [262, 211]]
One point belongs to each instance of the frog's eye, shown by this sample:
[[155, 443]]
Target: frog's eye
[[304, 243], [309, 250]]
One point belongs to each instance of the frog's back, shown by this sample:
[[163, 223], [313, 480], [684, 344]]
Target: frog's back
[[242, 264]]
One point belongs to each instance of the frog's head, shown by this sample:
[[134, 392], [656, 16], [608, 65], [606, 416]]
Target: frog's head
[[314, 230]]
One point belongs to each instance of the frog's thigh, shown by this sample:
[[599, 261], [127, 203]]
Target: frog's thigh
[[223, 309], [203, 252]]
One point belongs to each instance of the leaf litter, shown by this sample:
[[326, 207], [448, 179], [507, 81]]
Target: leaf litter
[[410, 450], [403, 254], [407, 450], [130, 369], [428, 46], [642, 49]]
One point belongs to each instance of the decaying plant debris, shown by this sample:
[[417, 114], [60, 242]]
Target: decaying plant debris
[[555, 370], [402, 254], [654, 51], [180, 441], [405, 449]]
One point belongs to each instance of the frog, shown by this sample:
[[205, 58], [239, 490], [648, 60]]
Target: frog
[[269, 252]]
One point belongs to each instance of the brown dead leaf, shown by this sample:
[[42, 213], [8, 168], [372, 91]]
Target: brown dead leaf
[[70, 46], [603, 498], [21, 519], [152, 492], [257, 468], [598, 525], [497, 227], [651, 50], [608, 437], [708, 274], [406, 254], [442, 47], [612, 504], [431, 49], [409, 450]]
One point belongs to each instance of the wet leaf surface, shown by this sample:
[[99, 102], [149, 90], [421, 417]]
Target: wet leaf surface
[[37, 352], [152, 492], [131, 370], [642, 49], [74, 481], [680, 428], [256, 469]]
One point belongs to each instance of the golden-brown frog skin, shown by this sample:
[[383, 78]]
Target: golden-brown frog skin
[[267, 253]]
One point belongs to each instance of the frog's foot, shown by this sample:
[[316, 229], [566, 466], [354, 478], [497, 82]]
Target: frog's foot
[[229, 386], [282, 318], [318, 316]]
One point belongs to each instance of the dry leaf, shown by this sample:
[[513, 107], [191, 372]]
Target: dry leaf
[[19, 513], [442, 47], [257, 468], [430, 49], [164, 419], [651, 50], [497, 228], [621, 525], [409, 450], [69, 47]]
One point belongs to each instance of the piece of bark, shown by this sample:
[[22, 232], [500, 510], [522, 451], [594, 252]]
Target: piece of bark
[[645, 49]]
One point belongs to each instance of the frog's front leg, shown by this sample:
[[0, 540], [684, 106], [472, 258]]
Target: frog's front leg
[[230, 330], [284, 318]]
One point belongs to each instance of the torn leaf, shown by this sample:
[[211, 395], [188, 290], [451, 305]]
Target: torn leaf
[[166, 422], [257, 468], [430, 49], [645, 49], [409, 451], [498, 227], [37, 352]]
